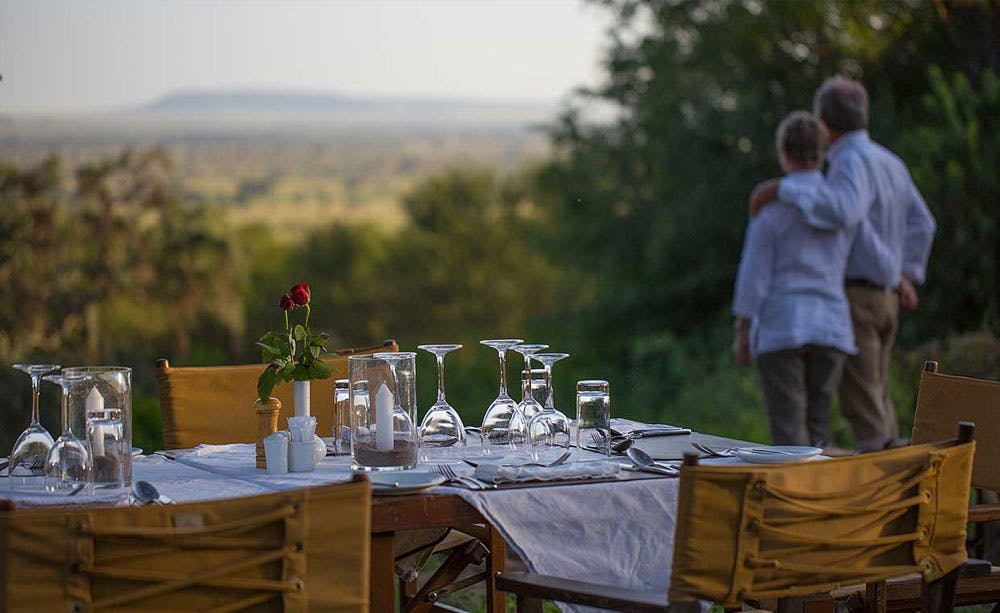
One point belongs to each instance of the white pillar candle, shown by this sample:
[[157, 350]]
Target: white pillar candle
[[94, 405], [95, 402], [384, 402]]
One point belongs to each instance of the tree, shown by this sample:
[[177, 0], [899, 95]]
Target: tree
[[649, 205]]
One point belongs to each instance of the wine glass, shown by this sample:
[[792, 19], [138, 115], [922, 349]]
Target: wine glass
[[69, 462], [27, 458], [527, 408], [442, 428], [548, 430], [495, 430]]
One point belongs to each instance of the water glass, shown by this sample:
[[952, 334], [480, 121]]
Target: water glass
[[539, 386], [341, 414], [593, 415], [108, 448]]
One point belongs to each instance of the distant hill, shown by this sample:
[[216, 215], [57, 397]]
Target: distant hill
[[215, 114], [278, 101], [324, 110]]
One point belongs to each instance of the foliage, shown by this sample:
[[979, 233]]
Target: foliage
[[650, 204]]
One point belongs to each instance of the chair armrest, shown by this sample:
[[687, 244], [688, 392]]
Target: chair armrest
[[975, 567], [979, 513], [535, 585]]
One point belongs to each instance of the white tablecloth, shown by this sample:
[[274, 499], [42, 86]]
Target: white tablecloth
[[617, 532]]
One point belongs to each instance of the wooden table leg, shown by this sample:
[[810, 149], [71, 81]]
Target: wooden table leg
[[382, 580], [495, 599]]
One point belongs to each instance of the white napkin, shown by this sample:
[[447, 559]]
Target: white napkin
[[493, 472]]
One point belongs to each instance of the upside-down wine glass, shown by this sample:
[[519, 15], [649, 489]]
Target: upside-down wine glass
[[69, 462], [548, 430], [495, 431], [442, 428], [27, 457], [527, 408]]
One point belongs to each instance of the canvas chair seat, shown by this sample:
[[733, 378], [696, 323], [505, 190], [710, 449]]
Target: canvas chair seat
[[305, 549], [215, 404]]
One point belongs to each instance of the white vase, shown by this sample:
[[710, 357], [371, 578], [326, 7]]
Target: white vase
[[300, 389]]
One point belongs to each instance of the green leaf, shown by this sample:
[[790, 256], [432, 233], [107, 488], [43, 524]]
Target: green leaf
[[315, 351], [266, 382], [320, 370], [299, 332], [287, 371], [301, 373]]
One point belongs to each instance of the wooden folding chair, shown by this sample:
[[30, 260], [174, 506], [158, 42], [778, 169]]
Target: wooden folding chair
[[214, 404], [941, 401], [298, 550], [785, 532]]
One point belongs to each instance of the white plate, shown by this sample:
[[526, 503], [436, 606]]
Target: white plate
[[136, 451], [391, 483], [776, 455]]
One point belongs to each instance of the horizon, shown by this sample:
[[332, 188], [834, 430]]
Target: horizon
[[103, 56]]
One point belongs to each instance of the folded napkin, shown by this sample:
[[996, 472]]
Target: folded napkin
[[493, 472]]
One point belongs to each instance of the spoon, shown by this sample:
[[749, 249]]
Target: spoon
[[644, 461], [145, 493], [622, 445]]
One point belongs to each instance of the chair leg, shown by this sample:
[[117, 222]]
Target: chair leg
[[528, 604], [875, 596], [470, 554], [496, 563], [939, 596]]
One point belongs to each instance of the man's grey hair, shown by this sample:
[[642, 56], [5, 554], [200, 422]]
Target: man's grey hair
[[842, 104]]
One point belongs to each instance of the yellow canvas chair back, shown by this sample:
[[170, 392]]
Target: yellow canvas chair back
[[214, 404], [773, 531], [305, 549], [944, 400]]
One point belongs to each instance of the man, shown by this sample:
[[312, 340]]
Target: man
[[865, 182]]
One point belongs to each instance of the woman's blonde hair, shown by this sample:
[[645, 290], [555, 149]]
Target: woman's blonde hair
[[802, 138]]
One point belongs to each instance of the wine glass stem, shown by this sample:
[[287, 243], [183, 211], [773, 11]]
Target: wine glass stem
[[65, 412], [526, 391], [550, 401], [440, 361], [34, 399], [503, 371]]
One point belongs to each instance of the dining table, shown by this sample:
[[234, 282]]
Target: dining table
[[613, 526]]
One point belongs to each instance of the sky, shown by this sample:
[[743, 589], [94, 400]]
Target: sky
[[88, 55]]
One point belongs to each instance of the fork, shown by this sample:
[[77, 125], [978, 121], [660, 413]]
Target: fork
[[556, 462], [449, 473], [619, 442], [714, 453], [731, 451]]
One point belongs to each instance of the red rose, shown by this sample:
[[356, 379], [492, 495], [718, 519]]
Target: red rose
[[300, 294], [286, 303]]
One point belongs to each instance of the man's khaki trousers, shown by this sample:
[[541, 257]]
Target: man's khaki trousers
[[864, 389]]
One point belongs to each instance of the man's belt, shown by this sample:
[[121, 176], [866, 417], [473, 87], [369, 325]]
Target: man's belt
[[866, 284]]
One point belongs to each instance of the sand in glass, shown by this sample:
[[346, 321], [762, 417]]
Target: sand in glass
[[27, 458]]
